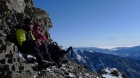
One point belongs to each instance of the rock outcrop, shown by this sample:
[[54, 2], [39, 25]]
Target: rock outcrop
[[23, 9], [11, 65], [112, 72]]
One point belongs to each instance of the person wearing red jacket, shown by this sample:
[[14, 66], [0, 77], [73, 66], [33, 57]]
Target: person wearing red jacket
[[37, 34], [54, 54], [41, 38]]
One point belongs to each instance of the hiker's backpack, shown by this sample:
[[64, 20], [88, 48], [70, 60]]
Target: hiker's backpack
[[54, 48], [11, 36]]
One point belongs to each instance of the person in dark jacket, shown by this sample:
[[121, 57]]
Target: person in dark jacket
[[28, 43]]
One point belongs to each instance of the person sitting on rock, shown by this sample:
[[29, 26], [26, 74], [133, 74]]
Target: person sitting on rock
[[58, 56], [41, 38], [28, 43]]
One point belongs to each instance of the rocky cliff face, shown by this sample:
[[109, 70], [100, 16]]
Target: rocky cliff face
[[11, 65], [23, 8]]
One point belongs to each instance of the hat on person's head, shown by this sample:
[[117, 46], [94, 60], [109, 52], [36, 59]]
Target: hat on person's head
[[37, 28], [37, 24], [28, 21]]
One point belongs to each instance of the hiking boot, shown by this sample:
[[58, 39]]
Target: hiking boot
[[64, 61]]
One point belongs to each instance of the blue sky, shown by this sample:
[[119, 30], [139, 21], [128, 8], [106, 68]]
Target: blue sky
[[93, 23]]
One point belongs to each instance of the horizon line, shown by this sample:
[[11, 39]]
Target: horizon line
[[106, 47]]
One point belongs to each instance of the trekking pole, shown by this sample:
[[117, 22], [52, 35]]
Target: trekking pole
[[14, 19]]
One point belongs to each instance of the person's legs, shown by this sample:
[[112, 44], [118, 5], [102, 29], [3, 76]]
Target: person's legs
[[42, 63], [35, 50], [55, 56], [57, 60], [46, 54]]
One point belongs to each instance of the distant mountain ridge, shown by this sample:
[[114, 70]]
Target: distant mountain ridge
[[129, 52], [97, 60]]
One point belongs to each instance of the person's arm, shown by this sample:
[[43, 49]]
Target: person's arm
[[43, 37]]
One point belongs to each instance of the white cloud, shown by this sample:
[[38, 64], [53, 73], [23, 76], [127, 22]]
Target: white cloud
[[119, 35], [111, 47]]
